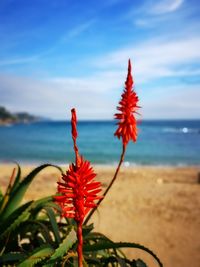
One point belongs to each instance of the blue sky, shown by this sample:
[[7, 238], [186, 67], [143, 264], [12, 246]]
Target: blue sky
[[59, 54]]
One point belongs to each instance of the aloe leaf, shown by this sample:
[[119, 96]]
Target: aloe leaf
[[11, 257], [41, 203], [36, 233], [87, 229], [111, 245], [17, 178], [112, 259], [12, 217], [12, 222], [54, 206], [54, 224], [30, 206], [22, 214], [85, 263], [7, 192], [44, 231], [38, 206], [122, 262], [64, 247], [96, 236], [1, 196], [36, 256], [18, 193], [93, 261], [140, 263], [48, 265]]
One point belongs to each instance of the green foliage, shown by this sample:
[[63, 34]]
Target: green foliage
[[107, 244], [8, 117], [52, 219], [19, 189], [5, 114], [14, 220], [33, 234], [11, 257], [64, 246], [36, 256]]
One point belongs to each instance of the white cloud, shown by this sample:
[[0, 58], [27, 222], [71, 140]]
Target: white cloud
[[165, 6], [79, 29], [54, 98], [160, 13], [157, 8], [103, 81], [176, 102], [96, 97], [155, 58], [17, 60]]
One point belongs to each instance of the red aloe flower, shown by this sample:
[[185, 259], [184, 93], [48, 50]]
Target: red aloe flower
[[78, 190], [127, 106]]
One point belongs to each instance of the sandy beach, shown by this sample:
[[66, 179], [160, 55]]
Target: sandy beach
[[157, 207]]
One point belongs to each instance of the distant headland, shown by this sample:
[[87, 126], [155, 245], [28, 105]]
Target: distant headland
[[7, 117]]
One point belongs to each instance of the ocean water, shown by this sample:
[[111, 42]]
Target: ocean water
[[159, 143]]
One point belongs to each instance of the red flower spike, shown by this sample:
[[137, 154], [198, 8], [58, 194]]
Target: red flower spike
[[75, 135], [78, 190], [127, 106]]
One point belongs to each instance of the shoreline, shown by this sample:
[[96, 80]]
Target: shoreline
[[113, 165]]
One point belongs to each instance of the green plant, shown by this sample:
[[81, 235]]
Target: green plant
[[24, 227], [41, 233], [33, 235]]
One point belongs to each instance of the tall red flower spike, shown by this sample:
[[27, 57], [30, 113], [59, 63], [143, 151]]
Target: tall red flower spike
[[127, 125], [127, 129], [78, 190]]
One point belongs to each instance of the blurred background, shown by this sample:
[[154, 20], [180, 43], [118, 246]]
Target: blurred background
[[59, 54], [55, 55]]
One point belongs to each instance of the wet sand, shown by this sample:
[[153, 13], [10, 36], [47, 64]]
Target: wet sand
[[158, 207]]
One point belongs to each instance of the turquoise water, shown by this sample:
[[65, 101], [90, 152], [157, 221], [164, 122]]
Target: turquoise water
[[159, 143]]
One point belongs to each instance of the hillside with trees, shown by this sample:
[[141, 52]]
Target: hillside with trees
[[7, 117]]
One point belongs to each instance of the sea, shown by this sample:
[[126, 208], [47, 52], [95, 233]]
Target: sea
[[159, 143]]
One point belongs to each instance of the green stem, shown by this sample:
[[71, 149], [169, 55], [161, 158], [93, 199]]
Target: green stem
[[109, 186]]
